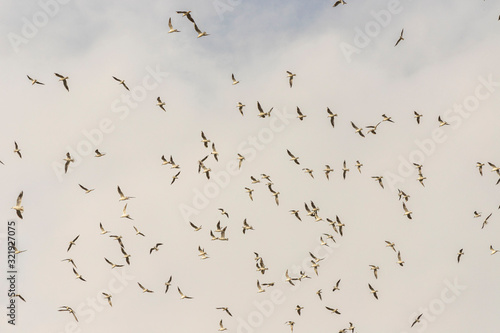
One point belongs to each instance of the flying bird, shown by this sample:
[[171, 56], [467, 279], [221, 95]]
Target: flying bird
[[64, 80], [68, 160], [417, 320], [122, 197], [33, 81], [293, 158], [160, 104], [122, 82], [400, 38], [98, 153], [373, 291], [144, 290], [358, 130], [78, 276], [182, 295], [108, 297], [460, 254], [301, 116], [86, 189], [442, 122], [234, 80], [17, 150], [155, 248], [72, 243], [187, 14], [18, 207], [417, 116], [171, 26], [339, 2], [200, 33], [125, 214], [332, 116], [290, 76]]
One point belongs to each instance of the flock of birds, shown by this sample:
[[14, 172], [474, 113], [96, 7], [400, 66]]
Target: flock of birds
[[219, 233]]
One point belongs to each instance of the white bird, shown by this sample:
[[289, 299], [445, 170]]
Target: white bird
[[108, 297], [400, 261], [68, 160], [171, 26], [373, 291], [407, 212], [200, 33], [112, 265], [71, 243], [122, 197], [290, 76], [234, 80], [332, 116], [125, 215], [17, 150], [358, 130], [122, 82], [144, 290], [240, 107], [33, 81], [182, 295], [221, 327], [400, 37], [64, 80], [160, 104], [260, 290], [18, 207], [493, 251], [98, 153], [417, 116], [86, 189], [103, 231], [441, 122]]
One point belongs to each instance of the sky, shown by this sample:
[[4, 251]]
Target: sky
[[344, 59]]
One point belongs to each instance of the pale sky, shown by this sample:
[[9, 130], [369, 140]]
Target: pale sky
[[344, 58]]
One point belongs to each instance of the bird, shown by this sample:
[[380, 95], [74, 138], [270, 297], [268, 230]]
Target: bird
[[78, 276], [18, 295], [225, 309], [275, 194], [407, 212], [296, 213], [122, 82], [375, 270], [172, 163], [441, 122], [125, 214], [403, 195], [155, 248], [98, 153], [479, 166], [379, 179], [319, 294], [195, 227], [290, 76], [137, 232], [240, 107], [386, 118], [223, 212], [68, 160], [187, 14], [344, 170], [64, 80], [18, 207], [290, 323], [293, 158], [300, 115], [335, 311], [182, 295], [417, 116], [259, 288], [68, 309], [125, 255], [17, 150], [486, 220], [168, 284], [400, 37], [33, 81], [327, 171], [241, 158], [359, 165], [221, 327], [493, 251], [339, 2], [417, 320], [249, 191], [202, 253], [85, 189], [494, 168], [476, 214], [358, 130], [204, 140], [16, 251], [460, 253], [176, 176], [200, 33], [171, 26], [299, 308], [246, 226], [309, 171], [261, 267], [289, 279], [108, 297], [254, 181], [336, 287], [234, 80], [332, 116], [215, 152], [144, 290], [70, 261], [122, 197], [71, 243], [160, 104], [400, 261], [373, 291]]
